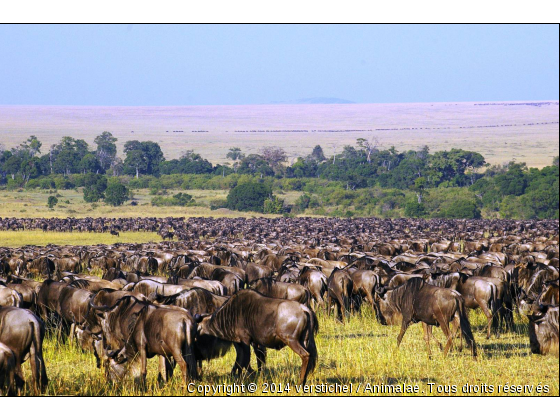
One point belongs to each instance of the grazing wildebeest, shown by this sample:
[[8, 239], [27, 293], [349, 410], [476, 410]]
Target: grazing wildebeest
[[543, 328], [200, 301], [161, 331], [7, 371], [23, 332], [339, 290], [251, 318], [418, 301]]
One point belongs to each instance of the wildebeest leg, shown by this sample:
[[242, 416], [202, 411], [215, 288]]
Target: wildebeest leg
[[260, 353], [238, 366], [447, 331], [141, 373], [457, 324], [483, 305], [427, 333], [178, 356], [72, 332], [329, 303], [166, 366], [304, 354], [20, 382], [404, 326]]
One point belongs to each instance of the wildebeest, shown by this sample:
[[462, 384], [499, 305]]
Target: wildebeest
[[200, 301], [7, 371], [543, 328], [250, 318], [168, 332], [339, 291], [280, 290], [23, 332], [418, 301], [10, 297]]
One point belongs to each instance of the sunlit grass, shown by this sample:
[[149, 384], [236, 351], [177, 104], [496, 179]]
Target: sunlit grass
[[359, 352], [37, 237]]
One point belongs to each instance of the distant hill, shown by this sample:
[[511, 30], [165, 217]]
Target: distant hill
[[314, 101]]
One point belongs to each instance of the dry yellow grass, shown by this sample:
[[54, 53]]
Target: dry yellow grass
[[71, 204], [359, 353]]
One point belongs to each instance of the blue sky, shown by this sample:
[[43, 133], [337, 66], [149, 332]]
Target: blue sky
[[254, 64]]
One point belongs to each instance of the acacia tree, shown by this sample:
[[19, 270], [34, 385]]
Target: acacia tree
[[142, 158], [367, 146], [274, 156], [236, 155], [106, 149]]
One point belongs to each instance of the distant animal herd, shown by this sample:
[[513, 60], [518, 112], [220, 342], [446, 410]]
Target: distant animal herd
[[257, 283]]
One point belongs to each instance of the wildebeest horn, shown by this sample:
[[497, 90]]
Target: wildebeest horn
[[199, 317]]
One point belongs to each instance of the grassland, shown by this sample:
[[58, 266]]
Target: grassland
[[71, 204], [527, 132], [360, 352]]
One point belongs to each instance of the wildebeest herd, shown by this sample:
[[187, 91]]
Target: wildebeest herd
[[257, 283]]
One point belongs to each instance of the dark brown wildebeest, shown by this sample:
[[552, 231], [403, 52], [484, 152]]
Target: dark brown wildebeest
[[477, 292], [10, 297], [160, 331], [363, 285], [315, 281], [48, 301], [251, 318], [23, 332], [201, 301], [27, 292], [257, 271], [7, 371], [418, 301], [232, 281], [339, 290], [280, 290], [149, 288], [543, 328], [41, 267], [74, 307]]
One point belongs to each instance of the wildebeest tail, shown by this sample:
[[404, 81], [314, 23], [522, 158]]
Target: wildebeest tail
[[495, 307], [310, 346], [188, 351], [38, 335], [466, 330]]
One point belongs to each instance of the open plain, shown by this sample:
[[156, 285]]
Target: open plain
[[501, 131]]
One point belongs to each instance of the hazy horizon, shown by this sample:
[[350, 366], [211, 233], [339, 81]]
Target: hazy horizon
[[190, 65]]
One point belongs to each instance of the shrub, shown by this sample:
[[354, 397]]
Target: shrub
[[414, 209], [116, 193], [249, 196], [273, 205], [52, 201]]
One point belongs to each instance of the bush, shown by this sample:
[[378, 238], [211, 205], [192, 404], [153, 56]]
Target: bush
[[52, 201], [249, 196], [273, 205], [116, 193], [302, 203], [414, 209]]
